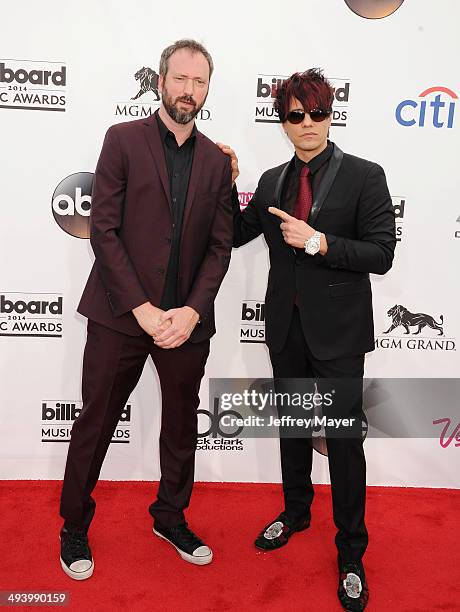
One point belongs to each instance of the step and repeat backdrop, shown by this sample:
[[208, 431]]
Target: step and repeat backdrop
[[70, 70]]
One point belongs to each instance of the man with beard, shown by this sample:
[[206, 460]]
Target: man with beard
[[161, 231]]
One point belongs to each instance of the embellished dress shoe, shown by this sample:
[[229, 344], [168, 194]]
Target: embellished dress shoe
[[278, 532], [353, 591]]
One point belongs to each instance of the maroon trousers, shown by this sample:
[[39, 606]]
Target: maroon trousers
[[112, 365]]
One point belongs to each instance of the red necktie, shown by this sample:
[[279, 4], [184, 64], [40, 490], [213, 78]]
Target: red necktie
[[304, 202], [304, 196]]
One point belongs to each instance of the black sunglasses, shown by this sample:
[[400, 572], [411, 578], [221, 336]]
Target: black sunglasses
[[316, 115]]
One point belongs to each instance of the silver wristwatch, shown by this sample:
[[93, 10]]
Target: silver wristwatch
[[312, 245]]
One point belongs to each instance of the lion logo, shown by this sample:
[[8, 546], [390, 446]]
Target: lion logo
[[401, 316], [148, 80]]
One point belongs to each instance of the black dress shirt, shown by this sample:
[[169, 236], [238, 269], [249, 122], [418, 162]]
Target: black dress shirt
[[318, 166], [179, 165]]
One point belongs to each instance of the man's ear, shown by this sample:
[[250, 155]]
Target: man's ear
[[160, 82]]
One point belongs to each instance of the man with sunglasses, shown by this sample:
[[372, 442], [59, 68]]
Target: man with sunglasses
[[328, 222]]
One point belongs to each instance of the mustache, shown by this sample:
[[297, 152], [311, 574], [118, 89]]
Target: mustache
[[188, 99]]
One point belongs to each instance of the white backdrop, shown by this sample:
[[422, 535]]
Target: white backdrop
[[375, 64]]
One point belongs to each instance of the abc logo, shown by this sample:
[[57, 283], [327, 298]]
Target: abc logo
[[71, 204], [215, 428], [374, 9]]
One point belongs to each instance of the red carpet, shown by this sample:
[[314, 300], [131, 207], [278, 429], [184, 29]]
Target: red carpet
[[412, 561]]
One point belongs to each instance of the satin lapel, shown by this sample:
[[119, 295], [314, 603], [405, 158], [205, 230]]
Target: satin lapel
[[197, 166], [278, 193], [326, 183], [152, 134], [280, 183]]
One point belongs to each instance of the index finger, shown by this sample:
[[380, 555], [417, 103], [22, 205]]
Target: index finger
[[282, 214]]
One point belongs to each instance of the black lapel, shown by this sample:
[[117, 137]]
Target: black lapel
[[326, 183], [278, 193], [280, 183]]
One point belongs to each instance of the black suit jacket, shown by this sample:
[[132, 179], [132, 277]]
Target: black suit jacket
[[353, 208]]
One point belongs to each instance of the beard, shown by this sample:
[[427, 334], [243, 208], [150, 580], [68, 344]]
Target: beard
[[177, 115]]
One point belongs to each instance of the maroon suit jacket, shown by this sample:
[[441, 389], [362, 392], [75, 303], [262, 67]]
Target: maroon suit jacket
[[131, 227]]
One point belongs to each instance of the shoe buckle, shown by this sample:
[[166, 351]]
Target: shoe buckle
[[274, 530], [352, 585]]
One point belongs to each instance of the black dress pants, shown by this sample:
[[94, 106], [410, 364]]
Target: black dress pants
[[347, 464], [112, 365]]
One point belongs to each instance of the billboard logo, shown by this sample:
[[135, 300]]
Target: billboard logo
[[32, 85], [399, 204], [58, 417], [429, 110], [266, 92], [31, 314], [252, 329]]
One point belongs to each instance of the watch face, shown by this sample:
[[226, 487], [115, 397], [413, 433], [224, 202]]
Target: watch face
[[312, 249]]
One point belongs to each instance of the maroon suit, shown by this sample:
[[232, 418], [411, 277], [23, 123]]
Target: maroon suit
[[131, 227]]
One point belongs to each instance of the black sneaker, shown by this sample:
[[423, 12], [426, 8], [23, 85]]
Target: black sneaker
[[187, 544], [353, 591], [278, 532], [76, 558]]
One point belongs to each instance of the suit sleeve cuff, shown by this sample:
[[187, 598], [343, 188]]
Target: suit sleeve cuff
[[120, 309], [331, 258], [198, 308]]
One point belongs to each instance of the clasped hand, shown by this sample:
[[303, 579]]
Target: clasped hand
[[170, 328], [182, 322]]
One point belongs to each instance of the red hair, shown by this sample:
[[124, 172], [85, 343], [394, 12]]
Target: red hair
[[311, 88]]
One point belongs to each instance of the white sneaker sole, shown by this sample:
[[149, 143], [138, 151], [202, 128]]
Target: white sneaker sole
[[185, 556], [77, 575]]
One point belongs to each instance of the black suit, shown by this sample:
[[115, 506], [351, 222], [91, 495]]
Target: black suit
[[334, 292], [332, 327]]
